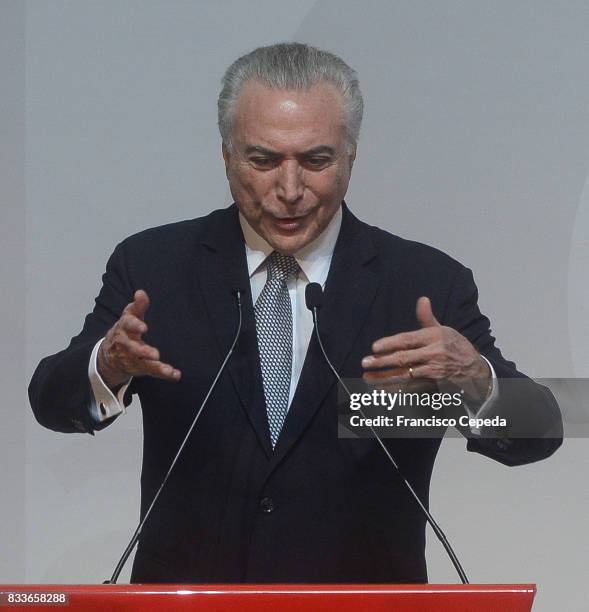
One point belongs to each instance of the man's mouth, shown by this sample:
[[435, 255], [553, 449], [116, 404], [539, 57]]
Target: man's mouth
[[289, 223]]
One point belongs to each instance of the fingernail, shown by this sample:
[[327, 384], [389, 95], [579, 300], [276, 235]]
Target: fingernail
[[367, 361]]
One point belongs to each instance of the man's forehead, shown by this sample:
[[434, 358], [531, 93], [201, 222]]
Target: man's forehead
[[321, 92], [270, 117]]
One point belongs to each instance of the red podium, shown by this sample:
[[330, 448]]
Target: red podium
[[272, 598]]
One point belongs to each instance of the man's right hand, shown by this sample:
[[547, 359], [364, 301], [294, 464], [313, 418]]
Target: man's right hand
[[123, 353]]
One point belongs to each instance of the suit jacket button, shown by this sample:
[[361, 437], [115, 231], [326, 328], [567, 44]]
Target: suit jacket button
[[267, 505]]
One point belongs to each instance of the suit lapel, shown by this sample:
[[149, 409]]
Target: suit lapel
[[222, 268], [349, 292]]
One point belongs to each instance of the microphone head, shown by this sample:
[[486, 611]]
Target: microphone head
[[313, 296]]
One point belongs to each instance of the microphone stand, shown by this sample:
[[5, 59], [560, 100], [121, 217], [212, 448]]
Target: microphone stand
[[133, 541], [314, 299]]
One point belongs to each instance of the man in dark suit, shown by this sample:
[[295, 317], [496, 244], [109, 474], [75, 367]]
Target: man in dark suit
[[265, 490]]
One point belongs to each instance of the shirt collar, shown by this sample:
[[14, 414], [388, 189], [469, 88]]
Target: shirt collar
[[313, 259]]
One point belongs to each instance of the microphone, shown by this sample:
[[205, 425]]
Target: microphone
[[238, 293], [313, 296], [314, 301]]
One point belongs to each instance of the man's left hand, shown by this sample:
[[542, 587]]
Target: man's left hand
[[434, 352]]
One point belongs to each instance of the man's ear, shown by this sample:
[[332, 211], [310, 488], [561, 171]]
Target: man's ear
[[226, 157], [352, 158]]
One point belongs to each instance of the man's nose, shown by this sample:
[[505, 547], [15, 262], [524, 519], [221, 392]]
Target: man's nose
[[290, 184]]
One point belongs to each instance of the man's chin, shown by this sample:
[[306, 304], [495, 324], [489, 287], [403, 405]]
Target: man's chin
[[287, 248], [289, 245]]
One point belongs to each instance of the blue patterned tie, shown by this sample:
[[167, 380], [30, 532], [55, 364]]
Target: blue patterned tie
[[274, 329]]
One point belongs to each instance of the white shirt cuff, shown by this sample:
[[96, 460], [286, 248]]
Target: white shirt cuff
[[105, 404], [486, 406]]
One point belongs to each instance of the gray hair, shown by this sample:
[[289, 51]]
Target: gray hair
[[291, 66]]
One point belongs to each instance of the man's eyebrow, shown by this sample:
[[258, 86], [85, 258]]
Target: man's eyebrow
[[262, 150], [321, 149]]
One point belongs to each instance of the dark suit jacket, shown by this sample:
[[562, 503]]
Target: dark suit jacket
[[318, 508]]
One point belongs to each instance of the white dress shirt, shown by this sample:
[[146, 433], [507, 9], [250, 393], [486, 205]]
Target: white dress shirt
[[314, 261]]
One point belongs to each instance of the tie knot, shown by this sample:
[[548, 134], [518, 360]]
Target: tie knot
[[281, 267]]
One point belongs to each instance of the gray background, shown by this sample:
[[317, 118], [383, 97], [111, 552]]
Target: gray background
[[476, 140]]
